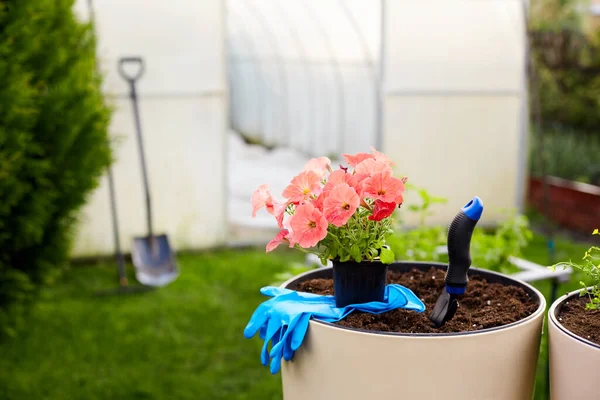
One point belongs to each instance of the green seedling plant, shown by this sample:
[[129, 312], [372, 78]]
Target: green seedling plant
[[490, 250], [423, 209], [421, 243], [590, 266]]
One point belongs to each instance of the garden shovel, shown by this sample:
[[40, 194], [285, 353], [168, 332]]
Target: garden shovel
[[459, 261], [152, 255]]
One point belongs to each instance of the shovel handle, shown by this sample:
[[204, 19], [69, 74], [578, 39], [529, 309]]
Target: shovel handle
[[459, 244], [137, 61]]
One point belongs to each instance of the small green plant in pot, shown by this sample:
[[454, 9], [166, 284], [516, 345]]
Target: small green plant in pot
[[590, 266], [574, 333], [344, 218]]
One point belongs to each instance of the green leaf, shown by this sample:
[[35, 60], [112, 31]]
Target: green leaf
[[438, 200], [355, 253], [386, 256]]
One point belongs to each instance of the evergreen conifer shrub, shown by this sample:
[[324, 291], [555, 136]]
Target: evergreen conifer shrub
[[54, 143]]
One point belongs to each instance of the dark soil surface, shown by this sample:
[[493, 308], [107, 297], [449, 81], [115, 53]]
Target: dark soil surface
[[582, 322], [484, 305]]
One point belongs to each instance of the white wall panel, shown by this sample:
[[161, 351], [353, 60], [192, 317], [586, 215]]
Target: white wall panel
[[454, 101], [184, 147], [457, 147], [183, 107], [181, 41], [454, 45]]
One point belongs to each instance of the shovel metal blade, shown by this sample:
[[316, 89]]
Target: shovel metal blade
[[444, 309], [154, 260]]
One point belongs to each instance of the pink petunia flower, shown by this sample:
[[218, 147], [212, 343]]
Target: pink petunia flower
[[371, 167], [279, 212], [399, 200], [303, 187], [340, 204], [279, 238], [309, 226], [381, 157], [383, 186], [354, 160], [356, 181], [318, 202], [340, 176], [335, 178], [382, 210], [262, 197], [320, 166]]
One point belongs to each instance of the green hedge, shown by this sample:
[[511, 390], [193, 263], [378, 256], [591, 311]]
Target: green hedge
[[568, 154], [54, 144], [568, 71]]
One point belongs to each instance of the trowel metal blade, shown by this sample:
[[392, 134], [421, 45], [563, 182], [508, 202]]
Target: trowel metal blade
[[444, 309]]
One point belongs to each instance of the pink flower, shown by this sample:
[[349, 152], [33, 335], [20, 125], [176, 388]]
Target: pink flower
[[335, 178], [383, 186], [320, 166], [354, 160], [382, 210], [371, 167], [399, 200], [309, 226], [279, 238], [318, 202], [381, 157], [340, 176], [262, 198], [303, 187], [356, 181], [279, 212], [340, 204]]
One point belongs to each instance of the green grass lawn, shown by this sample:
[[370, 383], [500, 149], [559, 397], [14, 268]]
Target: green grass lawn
[[183, 341]]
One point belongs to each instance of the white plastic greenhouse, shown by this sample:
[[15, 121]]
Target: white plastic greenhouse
[[439, 85]]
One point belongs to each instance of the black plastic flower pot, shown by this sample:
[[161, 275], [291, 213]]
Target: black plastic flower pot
[[358, 282]]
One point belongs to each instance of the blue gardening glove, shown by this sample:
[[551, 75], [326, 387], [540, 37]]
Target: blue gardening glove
[[283, 319]]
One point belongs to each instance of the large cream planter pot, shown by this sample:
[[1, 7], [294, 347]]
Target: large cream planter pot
[[342, 363], [574, 361]]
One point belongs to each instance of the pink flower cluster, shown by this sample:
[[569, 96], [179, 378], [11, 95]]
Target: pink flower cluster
[[320, 196]]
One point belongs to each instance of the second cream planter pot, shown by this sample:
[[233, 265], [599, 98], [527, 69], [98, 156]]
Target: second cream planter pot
[[574, 361], [342, 363]]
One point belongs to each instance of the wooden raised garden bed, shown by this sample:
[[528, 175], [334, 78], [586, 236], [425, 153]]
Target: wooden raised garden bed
[[572, 205]]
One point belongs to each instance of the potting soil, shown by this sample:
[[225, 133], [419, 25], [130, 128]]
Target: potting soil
[[484, 305], [582, 322]]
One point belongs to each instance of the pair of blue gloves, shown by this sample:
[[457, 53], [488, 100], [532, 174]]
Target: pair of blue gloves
[[283, 319]]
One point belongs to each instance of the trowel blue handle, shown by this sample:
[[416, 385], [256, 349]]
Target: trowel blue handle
[[459, 245]]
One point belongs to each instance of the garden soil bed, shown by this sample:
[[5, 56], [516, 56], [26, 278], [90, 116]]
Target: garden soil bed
[[484, 305], [583, 323]]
